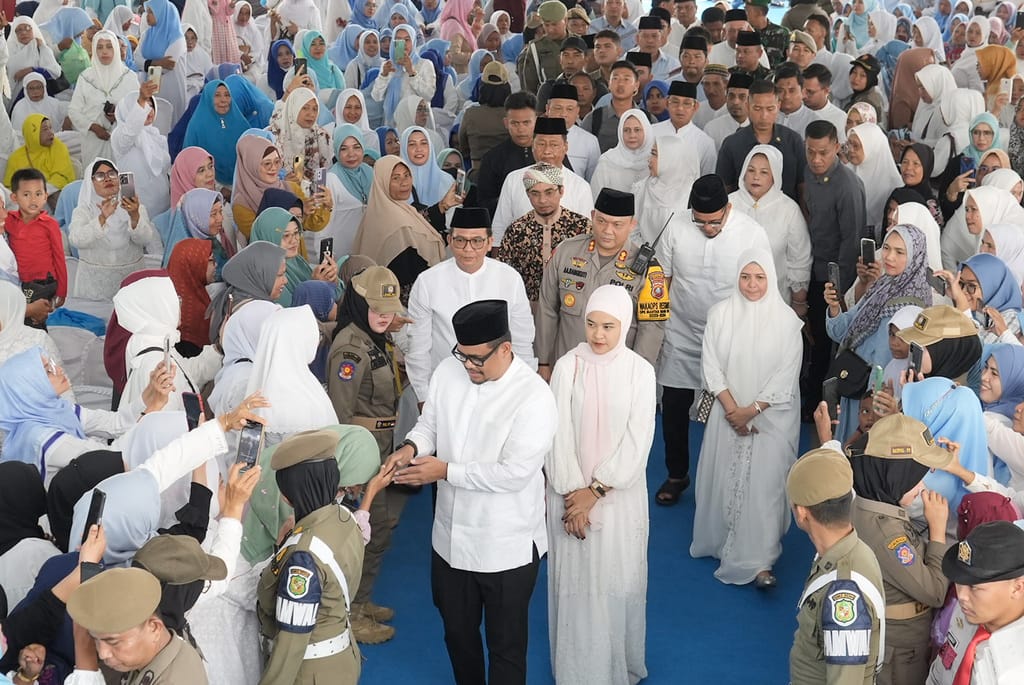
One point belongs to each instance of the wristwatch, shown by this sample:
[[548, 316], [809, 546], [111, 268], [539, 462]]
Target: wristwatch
[[599, 489], [410, 443]]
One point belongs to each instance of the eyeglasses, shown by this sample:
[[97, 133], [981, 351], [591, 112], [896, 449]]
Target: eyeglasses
[[460, 242], [100, 176], [478, 362], [714, 223], [983, 133], [271, 163], [969, 288]]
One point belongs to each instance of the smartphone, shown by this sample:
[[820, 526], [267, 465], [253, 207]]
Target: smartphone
[[830, 395], [937, 283], [966, 165], [108, 108], [127, 181], [1006, 86], [95, 517], [193, 409], [877, 379], [867, 250], [1019, 23], [250, 444], [298, 163], [167, 354], [326, 249], [319, 181], [88, 570], [300, 66], [397, 50], [461, 183], [986, 320], [833, 276], [916, 358], [155, 74], [51, 366]]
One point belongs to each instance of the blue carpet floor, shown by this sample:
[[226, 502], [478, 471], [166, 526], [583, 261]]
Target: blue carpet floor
[[698, 630]]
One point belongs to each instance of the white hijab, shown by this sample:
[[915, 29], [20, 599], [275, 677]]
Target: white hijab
[[149, 309], [292, 138], [117, 228], [249, 33], [658, 197], [150, 141], [106, 77], [46, 10], [241, 336], [939, 83], [621, 167], [877, 172], [1007, 179], [369, 135], [49, 107], [1009, 242], [885, 31], [21, 56], [117, 18], [916, 214], [288, 343], [995, 205]]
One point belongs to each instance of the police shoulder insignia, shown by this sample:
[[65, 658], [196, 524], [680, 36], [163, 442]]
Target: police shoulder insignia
[[298, 581], [896, 541], [346, 370], [351, 356], [905, 554]]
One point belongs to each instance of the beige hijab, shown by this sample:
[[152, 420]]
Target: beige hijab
[[389, 226]]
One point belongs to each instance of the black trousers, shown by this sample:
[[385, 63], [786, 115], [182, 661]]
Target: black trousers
[[675, 427], [821, 350], [502, 601]]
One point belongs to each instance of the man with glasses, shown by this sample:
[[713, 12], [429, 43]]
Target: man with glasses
[[581, 264], [469, 274], [699, 253], [490, 420]]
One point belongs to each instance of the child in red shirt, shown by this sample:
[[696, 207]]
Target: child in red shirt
[[34, 235]]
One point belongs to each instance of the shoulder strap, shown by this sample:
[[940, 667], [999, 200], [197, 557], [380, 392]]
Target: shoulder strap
[[541, 76], [596, 118], [180, 368]]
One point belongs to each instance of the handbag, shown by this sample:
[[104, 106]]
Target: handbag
[[40, 289], [704, 405], [852, 372]]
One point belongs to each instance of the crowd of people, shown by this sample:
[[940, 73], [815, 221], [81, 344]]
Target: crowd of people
[[268, 270]]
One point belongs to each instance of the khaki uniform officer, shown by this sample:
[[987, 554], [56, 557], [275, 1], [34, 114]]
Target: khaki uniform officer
[[539, 60], [582, 264], [840, 624], [364, 386], [889, 462], [304, 595], [118, 608]]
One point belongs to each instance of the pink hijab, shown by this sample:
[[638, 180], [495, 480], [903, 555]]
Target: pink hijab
[[183, 172], [454, 20]]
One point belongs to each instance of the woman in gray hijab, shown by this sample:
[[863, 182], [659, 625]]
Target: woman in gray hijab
[[255, 273]]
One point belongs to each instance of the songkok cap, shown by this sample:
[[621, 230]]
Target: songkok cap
[[577, 13], [683, 89], [716, 70], [899, 436], [379, 286], [494, 74], [552, 10], [564, 91], [736, 15], [818, 476], [694, 43], [639, 59], [542, 172], [549, 126], [940, 322], [179, 560], [471, 217], [708, 194], [804, 39], [615, 202], [573, 43], [661, 13], [747, 38], [992, 551], [311, 445], [712, 14], [116, 600], [649, 22], [905, 316], [740, 80], [481, 322]]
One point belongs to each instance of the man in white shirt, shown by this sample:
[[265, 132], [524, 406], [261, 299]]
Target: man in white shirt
[[723, 126], [713, 85], [550, 145], [682, 106], [490, 419], [817, 86], [725, 52], [789, 82], [467, 276], [838, 63], [684, 17], [584, 150], [986, 631], [650, 40], [699, 254]]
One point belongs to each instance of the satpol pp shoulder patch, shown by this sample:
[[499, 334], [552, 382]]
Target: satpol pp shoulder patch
[[845, 625]]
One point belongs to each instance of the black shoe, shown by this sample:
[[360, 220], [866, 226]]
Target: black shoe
[[671, 490], [765, 580]]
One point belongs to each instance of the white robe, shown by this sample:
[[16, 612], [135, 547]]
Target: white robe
[[513, 202], [172, 84], [693, 136], [584, 152], [721, 127], [141, 150], [86, 109], [346, 215], [107, 254]]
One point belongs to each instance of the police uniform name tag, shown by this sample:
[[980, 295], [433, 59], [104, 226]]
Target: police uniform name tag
[[653, 303], [845, 625]]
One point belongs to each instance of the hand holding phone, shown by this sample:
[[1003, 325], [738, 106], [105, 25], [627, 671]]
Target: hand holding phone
[[938, 283], [326, 249], [830, 396], [95, 515], [126, 180], [250, 444], [967, 166], [877, 379], [167, 354], [461, 183], [867, 251], [193, 409], [916, 359], [398, 50], [155, 74]]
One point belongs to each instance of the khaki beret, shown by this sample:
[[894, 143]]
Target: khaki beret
[[311, 445], [941, 322], [818, 476], [899, 436], [178, 560], [115, 601]]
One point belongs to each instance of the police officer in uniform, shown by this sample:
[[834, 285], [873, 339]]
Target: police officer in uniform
[[304, 594], [364, 385], [888, 462], [585, 262], [118, 608], [539, 60], [840, 620]]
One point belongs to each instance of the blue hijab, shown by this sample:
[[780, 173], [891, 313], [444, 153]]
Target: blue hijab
[[129, 53], [947, 33], [393, 94], [466, 86], [359, 17], [275, 74], [952, 412], [438, 45], [1010, 361], [69, 22], [250, 100], [999, 288], [319, 295], [432, 15], [344, 50], [858, 23], [511, 48], [103, 8], [663, 89], [327, 74], [215, 133], [30, 411], [441, 77], [388, 34], [221, 71], [165, 33], [357, 181], [997, 142], [400, 9], [906, 11], [430, 182], [382, 133]]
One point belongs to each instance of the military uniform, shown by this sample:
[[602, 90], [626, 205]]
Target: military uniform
[[176, 663], [538, 62], [914, 584], [303, 601], [775, 41], [576, 270], [762, 72]]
